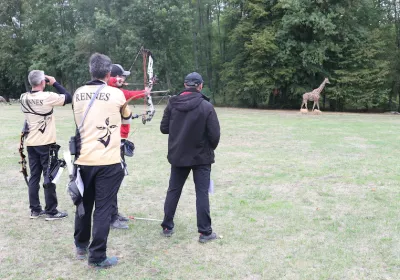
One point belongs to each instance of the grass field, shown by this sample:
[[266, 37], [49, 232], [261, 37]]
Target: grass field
[[296, 197]]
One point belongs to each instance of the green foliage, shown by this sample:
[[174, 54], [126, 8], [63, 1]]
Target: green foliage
[[249, 70], [251, 53], [292, 45], [363, 77]]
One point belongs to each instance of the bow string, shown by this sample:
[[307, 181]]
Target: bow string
[[148, 81]]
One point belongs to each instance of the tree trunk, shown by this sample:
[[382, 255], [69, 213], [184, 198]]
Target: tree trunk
[[26, 83], [167, 76], [194, 39], [219, 28], [397, 28], [209, 52], [390, 103], [398, 108], [200, 27]]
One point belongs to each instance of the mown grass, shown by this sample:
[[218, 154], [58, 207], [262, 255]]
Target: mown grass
[[296, 197]]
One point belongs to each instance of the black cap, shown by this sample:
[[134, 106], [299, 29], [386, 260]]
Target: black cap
[[117, 70], [193, 79]]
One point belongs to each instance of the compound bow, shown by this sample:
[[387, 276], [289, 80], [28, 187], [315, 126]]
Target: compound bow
[[148, 81]]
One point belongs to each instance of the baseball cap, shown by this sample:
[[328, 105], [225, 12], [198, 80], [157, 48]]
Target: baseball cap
[[193, 79], [118, 70]]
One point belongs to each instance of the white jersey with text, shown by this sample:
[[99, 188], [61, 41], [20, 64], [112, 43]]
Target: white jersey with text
[[38, 110], [100, 138]]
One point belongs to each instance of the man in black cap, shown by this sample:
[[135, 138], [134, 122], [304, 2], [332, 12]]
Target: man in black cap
[[194, 132], [117, 79], [118, 70]]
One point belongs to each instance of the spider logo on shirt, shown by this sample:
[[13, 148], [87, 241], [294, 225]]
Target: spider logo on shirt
[[43, 124], [105, 140]]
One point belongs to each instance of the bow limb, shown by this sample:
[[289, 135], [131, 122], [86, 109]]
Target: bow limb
[[23, 162], [150, 110], [148, 80]]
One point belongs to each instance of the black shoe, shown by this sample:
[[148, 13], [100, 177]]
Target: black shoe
[[35, 215], [58, 216], [108, 262], [122, 218], [81, 253], [167, 232], [206, 238], [119, 225]]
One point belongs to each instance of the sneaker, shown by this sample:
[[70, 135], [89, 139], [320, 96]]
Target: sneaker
[[206, 238], [35, 215], [167, 232], [122, 218], [108, 262], [119, 225], [81, 253], [60, 215]]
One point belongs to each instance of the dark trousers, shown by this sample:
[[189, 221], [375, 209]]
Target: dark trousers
[[101, 186], [201, 178], [38, 161], [114, 215]]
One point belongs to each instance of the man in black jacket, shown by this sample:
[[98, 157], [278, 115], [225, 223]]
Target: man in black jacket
[[194, 132]]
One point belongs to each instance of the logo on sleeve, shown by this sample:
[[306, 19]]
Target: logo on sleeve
[[105, 140]]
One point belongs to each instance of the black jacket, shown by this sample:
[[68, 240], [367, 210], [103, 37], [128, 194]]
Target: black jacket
[[193, 128]]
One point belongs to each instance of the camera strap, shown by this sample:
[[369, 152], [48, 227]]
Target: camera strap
[[72, 143], [27, 109], [75, 186]]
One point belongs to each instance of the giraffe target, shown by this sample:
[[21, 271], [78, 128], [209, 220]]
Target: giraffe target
[[313, 95]]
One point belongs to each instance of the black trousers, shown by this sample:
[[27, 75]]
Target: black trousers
[[114, 215], [201, 178], [101, 187], [38, 161]]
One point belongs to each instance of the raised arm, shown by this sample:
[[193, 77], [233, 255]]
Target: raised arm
[[134, 94], [60, 89]]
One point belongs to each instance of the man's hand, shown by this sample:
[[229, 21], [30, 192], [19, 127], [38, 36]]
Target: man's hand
[[120, 81], [51, 79]]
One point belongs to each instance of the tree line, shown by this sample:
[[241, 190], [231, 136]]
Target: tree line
[[251, 53]]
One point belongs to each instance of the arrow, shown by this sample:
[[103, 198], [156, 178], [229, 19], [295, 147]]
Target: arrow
[[144, 219]]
